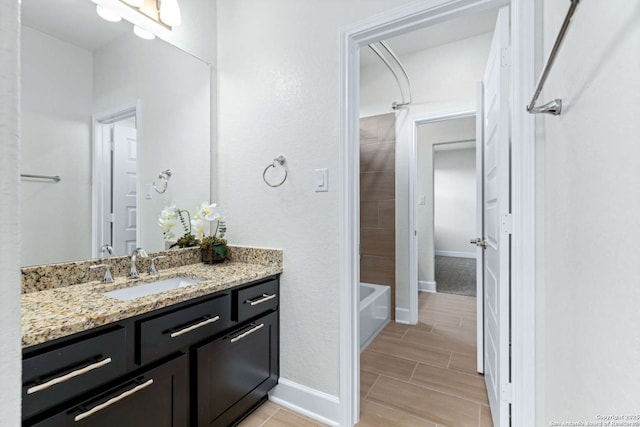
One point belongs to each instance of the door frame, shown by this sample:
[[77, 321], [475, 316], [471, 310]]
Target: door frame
[[385, 25], [417, 118], [97, 161]]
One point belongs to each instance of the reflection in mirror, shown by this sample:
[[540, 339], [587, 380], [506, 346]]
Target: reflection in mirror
[[106, 111]]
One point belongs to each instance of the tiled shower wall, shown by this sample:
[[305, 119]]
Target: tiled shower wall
[[377, 201]]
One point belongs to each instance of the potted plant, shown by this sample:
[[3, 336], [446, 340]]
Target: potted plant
[[213, 248], [168, 220]]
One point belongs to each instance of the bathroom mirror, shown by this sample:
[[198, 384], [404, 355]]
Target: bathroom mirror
[[107, 112]]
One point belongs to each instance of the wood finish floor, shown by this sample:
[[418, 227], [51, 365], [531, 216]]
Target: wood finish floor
[[414, 376]]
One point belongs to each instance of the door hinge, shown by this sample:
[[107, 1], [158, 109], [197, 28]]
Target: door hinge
[[506, 392], [505, 57], [112, 217], [506, 225]]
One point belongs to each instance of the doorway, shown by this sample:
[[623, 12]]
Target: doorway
[[447, 205], [115, 185], [403, 20]]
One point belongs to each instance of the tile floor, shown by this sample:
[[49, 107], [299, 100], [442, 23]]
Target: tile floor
[[414, 376]]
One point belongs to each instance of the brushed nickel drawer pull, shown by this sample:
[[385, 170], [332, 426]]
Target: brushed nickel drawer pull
[[260, 300], [196, 326], [113, 400], [67, 377], [249, 332]]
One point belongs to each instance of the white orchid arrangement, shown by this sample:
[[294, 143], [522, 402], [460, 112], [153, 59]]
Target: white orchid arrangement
[[194, 229], [205, 216]]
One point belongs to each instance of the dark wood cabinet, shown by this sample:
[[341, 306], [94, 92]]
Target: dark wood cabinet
[[234, 372], [157, 397], [166, 333], [204, 362], [62, 372]]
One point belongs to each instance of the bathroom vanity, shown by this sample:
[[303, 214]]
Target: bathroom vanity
[[201, 355]]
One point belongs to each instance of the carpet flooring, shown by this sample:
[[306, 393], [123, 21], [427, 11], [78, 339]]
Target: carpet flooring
[[456, 275]]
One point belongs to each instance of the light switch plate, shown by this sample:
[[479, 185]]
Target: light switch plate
[[321, 180], [422, 200]]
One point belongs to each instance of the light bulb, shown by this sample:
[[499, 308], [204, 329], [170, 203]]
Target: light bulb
[[170, 13], [107, 14], [142, 33], [134, 3]]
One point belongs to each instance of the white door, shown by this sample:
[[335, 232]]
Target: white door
[[496, 208], [479, 229], [124, 189]]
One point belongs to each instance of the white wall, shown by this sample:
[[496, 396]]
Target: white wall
[[174, 129], [443, 80], [429, 134], [440, 75], [588, 350], [279, 78], [454, 176], [57, 86], [198, 32], [10, 360]]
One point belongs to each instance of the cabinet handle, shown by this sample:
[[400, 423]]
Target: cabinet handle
[[260, 300], [192, 327], [249, 332], [68, 376], [113, 400]]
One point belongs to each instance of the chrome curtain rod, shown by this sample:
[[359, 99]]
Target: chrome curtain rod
[[553, 107], [394, 105], [52, 178]]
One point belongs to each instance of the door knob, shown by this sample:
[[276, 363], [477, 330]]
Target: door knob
[[479, 242]]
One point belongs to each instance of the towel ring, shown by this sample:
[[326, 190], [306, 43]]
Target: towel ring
[[278, 160], [164, 175]]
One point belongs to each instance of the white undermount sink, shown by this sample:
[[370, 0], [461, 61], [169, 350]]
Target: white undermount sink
[[145, 289]]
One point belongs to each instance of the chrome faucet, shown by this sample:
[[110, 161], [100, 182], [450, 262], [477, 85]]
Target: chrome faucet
[[152, 268], [106, 248], [108, 278], [133, 274]]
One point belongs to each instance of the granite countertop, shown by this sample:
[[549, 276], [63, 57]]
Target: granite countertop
[[54, 313]]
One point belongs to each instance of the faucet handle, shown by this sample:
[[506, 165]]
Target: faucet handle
[[108, 278], [153, 269], [140, 252]]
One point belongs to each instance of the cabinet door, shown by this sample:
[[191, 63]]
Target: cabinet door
[[236, 371], [155, 398]]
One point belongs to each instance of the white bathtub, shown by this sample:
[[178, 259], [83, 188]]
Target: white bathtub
[[375, 311]]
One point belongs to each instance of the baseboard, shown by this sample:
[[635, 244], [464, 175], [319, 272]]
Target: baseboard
[[402, 315], [456, 254], [309, 402], [424, 286]]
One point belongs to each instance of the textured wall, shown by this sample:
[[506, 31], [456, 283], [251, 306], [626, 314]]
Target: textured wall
[[589, 217], [378, 202], [10, 360], [279, 93]]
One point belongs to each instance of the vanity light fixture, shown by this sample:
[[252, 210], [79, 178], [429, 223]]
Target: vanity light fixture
[[142, 33], [107, 14], [170, 12]]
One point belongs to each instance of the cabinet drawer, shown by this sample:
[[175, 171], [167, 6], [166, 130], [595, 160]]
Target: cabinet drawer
[[169, 332], [54, 376], [157, 397], [254, 300]]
